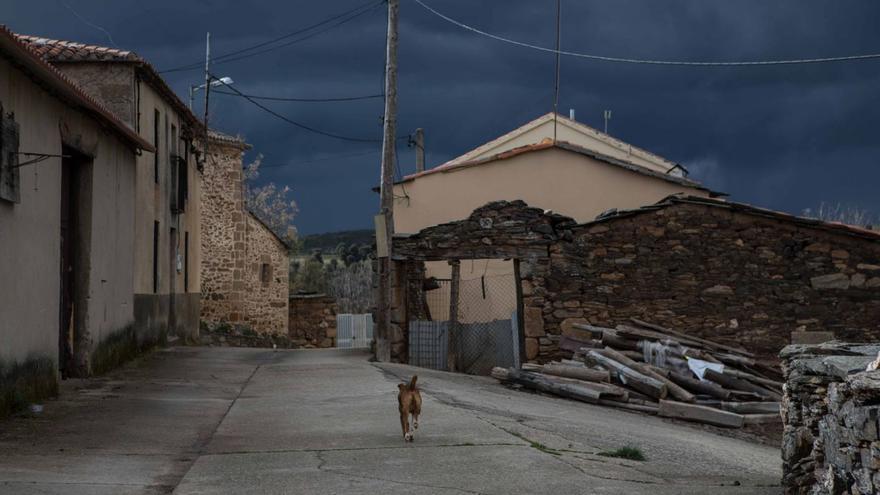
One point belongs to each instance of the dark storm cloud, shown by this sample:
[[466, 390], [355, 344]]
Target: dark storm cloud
[[784, 137]]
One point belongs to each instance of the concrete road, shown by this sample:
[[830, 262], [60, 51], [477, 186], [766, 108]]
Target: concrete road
[[211, 420]]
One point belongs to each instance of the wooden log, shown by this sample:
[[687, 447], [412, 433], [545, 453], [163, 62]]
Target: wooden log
[[629, 406], [699, 414], [646, 384], [700, 387], [757, 419], [607, 390], [730, 382], [580, 373], [536, 382], [751, 407], [648, 370], [612, 339], [593, 329], [740, 396], [670, 331], [572, 344], [766, 382]]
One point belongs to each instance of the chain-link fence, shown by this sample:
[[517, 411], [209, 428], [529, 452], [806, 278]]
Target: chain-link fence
[[482, 333], [485, 333]]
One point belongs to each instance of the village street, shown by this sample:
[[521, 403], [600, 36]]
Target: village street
[[190, 420]]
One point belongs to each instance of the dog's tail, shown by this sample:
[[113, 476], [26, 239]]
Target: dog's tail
[[412, 383]]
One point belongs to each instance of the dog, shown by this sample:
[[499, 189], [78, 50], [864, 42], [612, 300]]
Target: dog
[[409, 402]]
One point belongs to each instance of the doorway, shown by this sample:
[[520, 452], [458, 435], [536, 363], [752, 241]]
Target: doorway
[[75, 229]]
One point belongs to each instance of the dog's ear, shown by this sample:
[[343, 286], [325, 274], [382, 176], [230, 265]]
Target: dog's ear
[[412, 382]]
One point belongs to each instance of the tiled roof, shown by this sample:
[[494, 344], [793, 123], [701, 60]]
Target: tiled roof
[[217, 136], [31, 62], [70, 51], [60, 52]]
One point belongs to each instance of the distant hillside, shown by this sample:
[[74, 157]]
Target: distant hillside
[[326, 243]]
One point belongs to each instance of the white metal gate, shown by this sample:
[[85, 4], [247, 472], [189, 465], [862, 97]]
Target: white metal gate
[[354, 330]]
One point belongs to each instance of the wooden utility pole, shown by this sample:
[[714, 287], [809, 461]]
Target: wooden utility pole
[[419, 143], [207, 91], [386, 193]]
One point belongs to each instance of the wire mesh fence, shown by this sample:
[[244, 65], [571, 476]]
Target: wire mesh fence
[[485, 333], [482, 333]]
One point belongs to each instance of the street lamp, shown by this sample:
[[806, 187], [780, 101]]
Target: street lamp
[[223, 81]]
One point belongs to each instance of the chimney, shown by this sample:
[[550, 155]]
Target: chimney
[[419, 143], [571, 113]]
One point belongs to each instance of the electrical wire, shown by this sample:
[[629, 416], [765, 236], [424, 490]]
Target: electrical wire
[[324, 159], [649, 61], [281, 98], [301, 125], [231, 56]]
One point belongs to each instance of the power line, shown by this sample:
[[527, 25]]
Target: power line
[[300, 125], [648, 61], [324, 159], [231, 56], [280, 98]]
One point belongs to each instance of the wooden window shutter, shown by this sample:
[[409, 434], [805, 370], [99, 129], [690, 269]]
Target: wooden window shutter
[[10, 184]]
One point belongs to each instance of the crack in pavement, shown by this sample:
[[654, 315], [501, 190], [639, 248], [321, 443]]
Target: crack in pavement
[[203, 443], [322, 463], [358, 449]]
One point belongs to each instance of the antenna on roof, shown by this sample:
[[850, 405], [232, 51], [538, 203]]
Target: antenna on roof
[[607, 115], [556, 89]]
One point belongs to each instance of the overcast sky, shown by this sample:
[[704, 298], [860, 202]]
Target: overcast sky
[[784, 137]]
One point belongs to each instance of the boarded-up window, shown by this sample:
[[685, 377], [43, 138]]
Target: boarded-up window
[[10, 184], [265, 274]]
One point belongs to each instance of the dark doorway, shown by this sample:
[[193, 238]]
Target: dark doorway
[[74, 262]]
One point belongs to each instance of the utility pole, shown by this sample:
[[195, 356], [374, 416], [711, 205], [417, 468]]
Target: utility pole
[[556, 87], [207, 90], [386, 192], [419, 143]]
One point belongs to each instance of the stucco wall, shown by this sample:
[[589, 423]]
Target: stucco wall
[[565, 182], [576, 133], [120, 88], [30, 230]]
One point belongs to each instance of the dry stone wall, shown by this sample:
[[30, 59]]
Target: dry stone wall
[[734, 275], [313, 320], [717, 273], [830, 409]]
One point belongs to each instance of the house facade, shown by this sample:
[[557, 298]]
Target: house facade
[[67, 226], [245, 265], [167, 254]]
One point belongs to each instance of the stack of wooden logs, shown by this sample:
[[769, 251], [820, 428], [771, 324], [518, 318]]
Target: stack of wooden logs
[[649, 368]]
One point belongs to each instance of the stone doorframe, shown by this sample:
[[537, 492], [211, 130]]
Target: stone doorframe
[[497, 230]]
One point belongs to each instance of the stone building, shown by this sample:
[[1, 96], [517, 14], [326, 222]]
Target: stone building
[[720, 270], [168, 181], [245, 265], [67, 209]]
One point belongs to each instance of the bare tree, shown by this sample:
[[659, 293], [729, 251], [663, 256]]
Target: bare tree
[[352, 286], [270, 203], [848, 214]]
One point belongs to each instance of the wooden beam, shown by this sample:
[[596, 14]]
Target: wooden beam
[[699, 414]]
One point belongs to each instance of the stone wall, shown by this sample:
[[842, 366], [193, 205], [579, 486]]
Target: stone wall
[[245, 267], [727, 275], [830, 410], [723, 271], [313, 320]]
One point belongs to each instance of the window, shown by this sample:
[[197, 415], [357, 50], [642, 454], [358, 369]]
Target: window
[[156, 118], [265, 274], [10, 184], [155, 257]]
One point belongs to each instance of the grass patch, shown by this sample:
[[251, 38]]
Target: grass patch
[[631, 453], [535, 445], [27, 382], [117, 348]]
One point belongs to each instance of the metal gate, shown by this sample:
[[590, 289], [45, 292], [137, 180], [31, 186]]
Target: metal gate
[[354, 330]]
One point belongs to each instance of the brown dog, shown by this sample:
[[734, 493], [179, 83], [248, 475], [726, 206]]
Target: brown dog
[[409, 401]]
